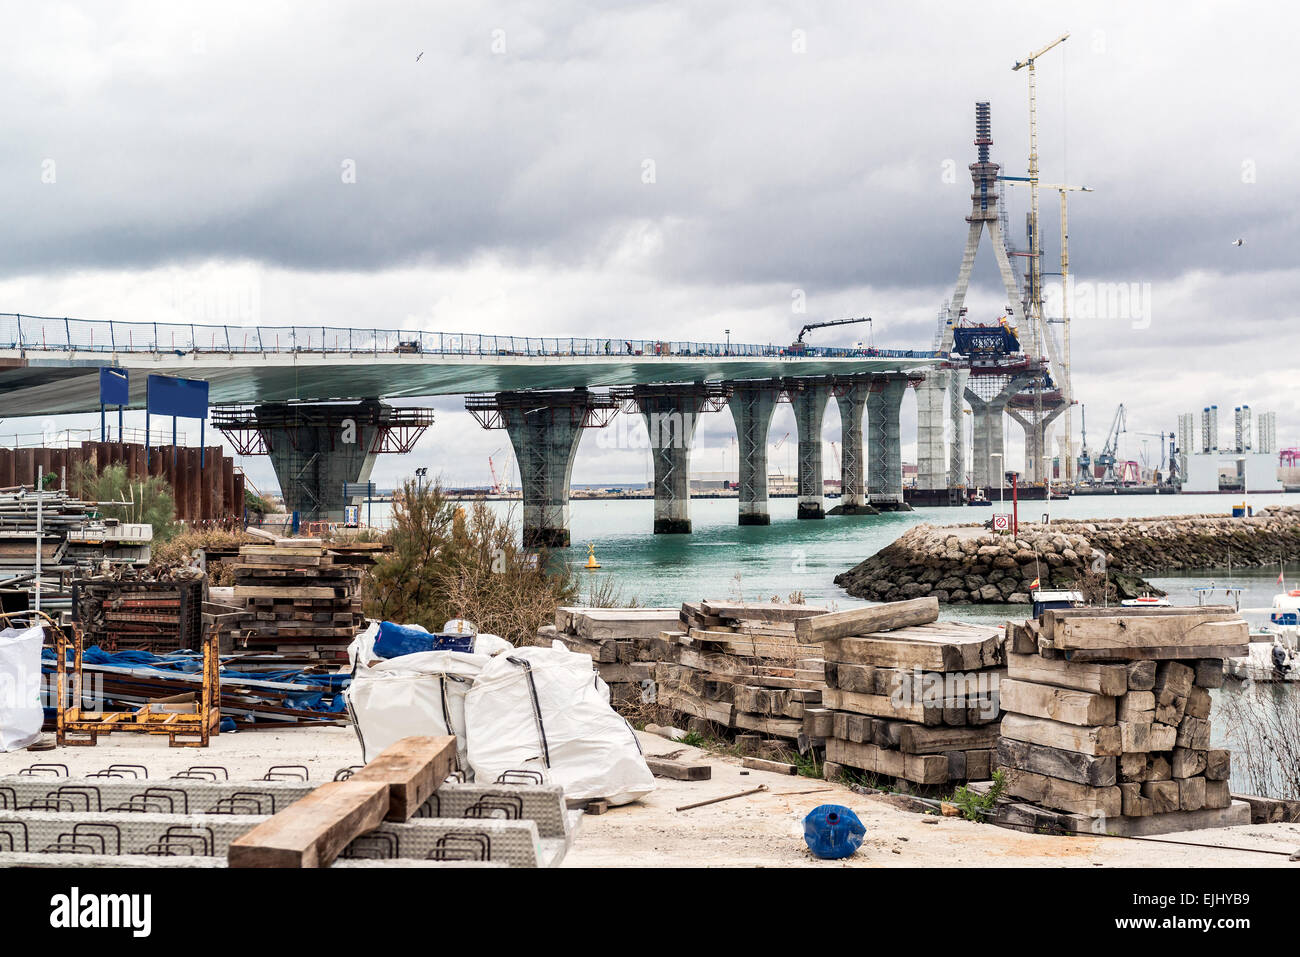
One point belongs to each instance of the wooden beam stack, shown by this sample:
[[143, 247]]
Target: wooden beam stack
[[1108, 714], [623, 643], [907, 696], [740, 665], [302, 597]]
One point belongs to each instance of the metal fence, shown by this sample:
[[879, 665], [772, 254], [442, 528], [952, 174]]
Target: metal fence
[[49, 334], [73, 438]]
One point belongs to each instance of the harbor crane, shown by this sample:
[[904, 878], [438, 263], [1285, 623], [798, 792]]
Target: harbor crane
[[1106, 457], [1084, 474], [1168, 453]]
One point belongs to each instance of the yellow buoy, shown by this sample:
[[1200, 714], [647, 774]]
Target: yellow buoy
[[591, 556]]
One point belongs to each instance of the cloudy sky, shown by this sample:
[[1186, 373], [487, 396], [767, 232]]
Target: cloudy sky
[[658, 171]]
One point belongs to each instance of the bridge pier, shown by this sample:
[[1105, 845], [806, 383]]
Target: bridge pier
[[809, 409], [1037, 455], [671, 413], [931, 412], [544, 429], [752, 405], [988, 437], [957, 379], [851, 397], [988, 432], [316, 447], [884, 444]]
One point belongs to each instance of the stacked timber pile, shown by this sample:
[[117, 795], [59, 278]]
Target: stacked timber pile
[[302, 597], [740, 665], [623, 643], [1108, 720], [907, 696]]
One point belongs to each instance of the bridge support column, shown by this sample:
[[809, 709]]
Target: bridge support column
[[851, 397], [671, 413], [314, 449], [544, 429], [809, 409], [957, 466], [987, 434], [752, 405], [884, 444], [931, 413], [1037, 464]]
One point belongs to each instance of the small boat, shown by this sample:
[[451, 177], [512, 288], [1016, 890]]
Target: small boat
[[1045, 599], [979, 498], [1284, 618], [1145, 601]]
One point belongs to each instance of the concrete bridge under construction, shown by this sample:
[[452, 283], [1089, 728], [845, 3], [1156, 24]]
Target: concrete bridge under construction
[[310, 397]]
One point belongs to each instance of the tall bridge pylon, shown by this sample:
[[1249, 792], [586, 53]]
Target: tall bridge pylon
[[941, 393]]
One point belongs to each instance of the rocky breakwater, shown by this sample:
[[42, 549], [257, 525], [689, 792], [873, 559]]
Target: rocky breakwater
[[970, 563]]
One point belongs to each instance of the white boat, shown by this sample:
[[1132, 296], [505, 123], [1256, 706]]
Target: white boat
[[1145, 601], [1284, 618], [1045, 599], [1272, 654]]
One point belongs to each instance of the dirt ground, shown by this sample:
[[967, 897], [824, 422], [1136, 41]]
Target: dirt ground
[[761, 830]]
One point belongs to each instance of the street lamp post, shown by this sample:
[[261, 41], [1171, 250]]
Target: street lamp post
[[1002, 497], [728, 331]]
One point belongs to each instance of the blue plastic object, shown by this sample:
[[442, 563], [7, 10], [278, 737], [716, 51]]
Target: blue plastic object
[[397, 640], [832, 831]]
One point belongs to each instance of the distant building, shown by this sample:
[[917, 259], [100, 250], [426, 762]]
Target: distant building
[[713, 481]]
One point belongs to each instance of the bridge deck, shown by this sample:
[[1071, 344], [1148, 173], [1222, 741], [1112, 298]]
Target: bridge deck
[[49, 366]]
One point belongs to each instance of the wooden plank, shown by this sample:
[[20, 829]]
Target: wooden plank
[[413, 768], [914, 739], [678, 770], [269, 591], [1082, 676], [761, 610], [777, 767], [917, 768], [1068, 737], [315, 829], [1064, 795], [1053, 616], [1058, 704], [863, 621], [1164, 652], [1098, 771], [882, 706], [911, 650], [1151, 631]]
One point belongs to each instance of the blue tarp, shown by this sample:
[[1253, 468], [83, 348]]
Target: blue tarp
[[320, 692], [394, 641]]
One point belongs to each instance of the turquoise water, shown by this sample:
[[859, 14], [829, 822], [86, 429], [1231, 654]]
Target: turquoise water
[[723, 559]]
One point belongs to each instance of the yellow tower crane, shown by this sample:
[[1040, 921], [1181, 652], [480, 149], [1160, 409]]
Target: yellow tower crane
[[1035, 243], [1067, 383]]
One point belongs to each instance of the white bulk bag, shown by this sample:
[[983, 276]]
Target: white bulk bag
[[21, 714], [420, 694], [545, 710]]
